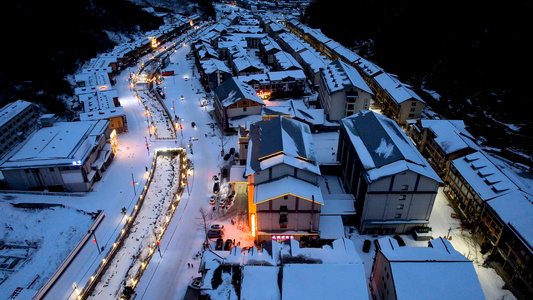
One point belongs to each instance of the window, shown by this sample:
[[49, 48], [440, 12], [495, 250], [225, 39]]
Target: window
[[286, 197], [399, 206], [398, 216], [413, 103], [405, 187]]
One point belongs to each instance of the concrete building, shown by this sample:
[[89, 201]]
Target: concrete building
[[68, 156], [17, 120], [393, 185], [342, 91], [434, 272]]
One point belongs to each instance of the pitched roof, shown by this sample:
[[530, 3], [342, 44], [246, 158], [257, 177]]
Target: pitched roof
[[232, 90], [339, 76], [383, 148], [281, 140]]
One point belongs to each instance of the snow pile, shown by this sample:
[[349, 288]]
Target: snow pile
[[40, 239]]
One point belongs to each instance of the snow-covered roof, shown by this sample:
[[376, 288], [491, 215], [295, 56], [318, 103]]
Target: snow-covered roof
[[260, 279], [232, 90], [106, 113], [418, 272], [383, 148], [287, 185], [12, 109], [297, 110], [281, 140], [98, 100], [450, 135], [61, 144], [515, 209], [212, 65], [331, 227], [399, 91], [339, 76], [286, 61], [483, 176]]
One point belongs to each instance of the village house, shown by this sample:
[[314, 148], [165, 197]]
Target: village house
[[434, 272], [234, 99], [393, 185], [103, 105], [342, 91], [213, 73], [284, 198]]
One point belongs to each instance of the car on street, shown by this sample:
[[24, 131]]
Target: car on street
[[216, 187], [212, 199], [182, 97], [215, 178], [222, 201], [219, 244], [215, 234], [366, 246], [228, 244], [224, 173], [217, 227], [193, 125]]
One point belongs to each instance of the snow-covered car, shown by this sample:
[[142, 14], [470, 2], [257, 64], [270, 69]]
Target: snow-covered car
[[182, 97], [216, 187], [212, 234], [217, 227], [193, 125], [215, 178], [222, 201], [212, 199]]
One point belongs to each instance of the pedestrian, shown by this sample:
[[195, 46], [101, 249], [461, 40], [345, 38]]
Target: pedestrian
[[189, 265], [192, 266]]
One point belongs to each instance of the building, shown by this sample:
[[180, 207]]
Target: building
[[17, 120], [434, 272], [397, 100], [473, 180], [442, 141], [393, 185], [507, 235], [68, 156], [342, 91], [214, 72], [234, 99], [103, 105], [284, 198]]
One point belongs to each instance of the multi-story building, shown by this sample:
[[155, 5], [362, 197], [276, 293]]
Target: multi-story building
[[342, 91], [505, 230], [214, 72], [442, 141], [17, 120], [235, 98], [393, 185], [68, 156], [434, 272], [284, 198], [397, 100], [471, 181]]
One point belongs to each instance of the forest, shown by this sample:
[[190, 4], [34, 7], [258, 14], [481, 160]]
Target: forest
[[49, 40], [473, 53]]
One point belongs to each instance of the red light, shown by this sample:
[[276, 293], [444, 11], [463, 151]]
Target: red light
[[159, 243], [94, 241], [132, 183]]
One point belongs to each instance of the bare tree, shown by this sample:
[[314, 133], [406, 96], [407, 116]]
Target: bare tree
[[204, 220], [224, 139]]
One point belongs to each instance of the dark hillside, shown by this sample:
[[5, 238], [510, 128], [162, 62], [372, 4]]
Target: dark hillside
[[48, 40], [473, 53]]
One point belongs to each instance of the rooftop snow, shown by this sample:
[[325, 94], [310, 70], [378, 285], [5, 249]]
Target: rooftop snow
[[450, 135], [287, 185], [339, 76], [383, 148]]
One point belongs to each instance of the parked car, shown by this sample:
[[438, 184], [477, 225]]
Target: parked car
[[216, 187], [219, 244], [217, 227], [182, 97], [224, 173], [366, 246], [215, 178], [222, 202], [232, 151], [193, 125], [215, 234], [228, 244], [227, 156], [212, 199]]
